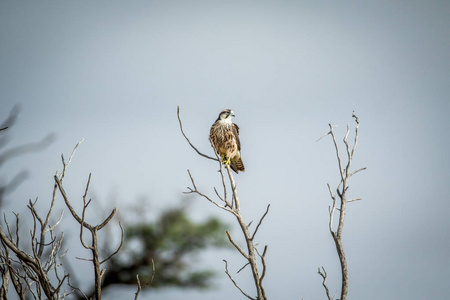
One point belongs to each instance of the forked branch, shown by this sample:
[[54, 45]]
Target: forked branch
[[339, 202], [324, 275], [93, 247]]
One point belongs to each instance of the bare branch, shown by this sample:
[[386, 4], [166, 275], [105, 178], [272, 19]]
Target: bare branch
[[65, 165], [331, 210], [323, 273], [195, 190], [326, 134], [193, 147], [353, 200], [220, 197], [357, 171], [263, 262], [237, 246], [69, 206], [260, 221], [30, 262], [234, 282], [82, 223], [51, 228], [243, 267], [356, 134], [148, 283], [85, 259], [139, 287], [106, 221], [337, 152], [118, 248], [153, 272], [340, 205]]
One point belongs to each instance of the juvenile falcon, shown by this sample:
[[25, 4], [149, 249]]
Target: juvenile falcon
[[224, 137]]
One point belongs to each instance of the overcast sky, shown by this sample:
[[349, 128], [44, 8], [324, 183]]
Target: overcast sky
[[113, 73]]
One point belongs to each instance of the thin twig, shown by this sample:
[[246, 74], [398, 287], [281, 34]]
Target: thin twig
[[337, 152], [118, 248], [195, 190], [260, 221], [193, 147], [243, 267], [263, 262], [65, 165], [326, 134], [237, 246], [234, 282], [353, 200], [323, 273], [139, 287], [148, 283], [357, 171]]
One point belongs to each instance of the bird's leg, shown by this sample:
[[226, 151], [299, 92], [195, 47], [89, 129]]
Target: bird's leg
[[225, 161]]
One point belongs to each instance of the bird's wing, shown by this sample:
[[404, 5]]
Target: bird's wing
[[213, 137], [235, 130]]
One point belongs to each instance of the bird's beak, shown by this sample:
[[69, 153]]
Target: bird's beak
[[232, 114]]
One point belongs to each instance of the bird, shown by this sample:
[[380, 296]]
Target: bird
[[224, 137]]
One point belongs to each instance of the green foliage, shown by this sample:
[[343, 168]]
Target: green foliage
[[171, 243]]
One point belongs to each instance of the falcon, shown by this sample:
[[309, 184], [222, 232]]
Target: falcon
[[224, 137]]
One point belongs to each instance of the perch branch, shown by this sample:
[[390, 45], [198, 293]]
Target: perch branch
[[193, 147]]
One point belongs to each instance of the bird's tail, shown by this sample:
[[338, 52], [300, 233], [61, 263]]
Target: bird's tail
[[237, 165]]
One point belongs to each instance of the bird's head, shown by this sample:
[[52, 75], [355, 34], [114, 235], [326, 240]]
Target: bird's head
[[226, 115]]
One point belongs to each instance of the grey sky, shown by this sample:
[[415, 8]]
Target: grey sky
[[113, 73]]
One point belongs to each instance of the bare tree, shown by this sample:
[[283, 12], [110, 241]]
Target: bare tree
[[339, 202], [38, 272], [232, 206]]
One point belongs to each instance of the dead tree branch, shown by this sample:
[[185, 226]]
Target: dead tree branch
[[148, 283], [30, 271], [339, 202], [233, 207], [36, 273], [93, 247], [324, 275], [193, 147], [234, 282], [33, 276]]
